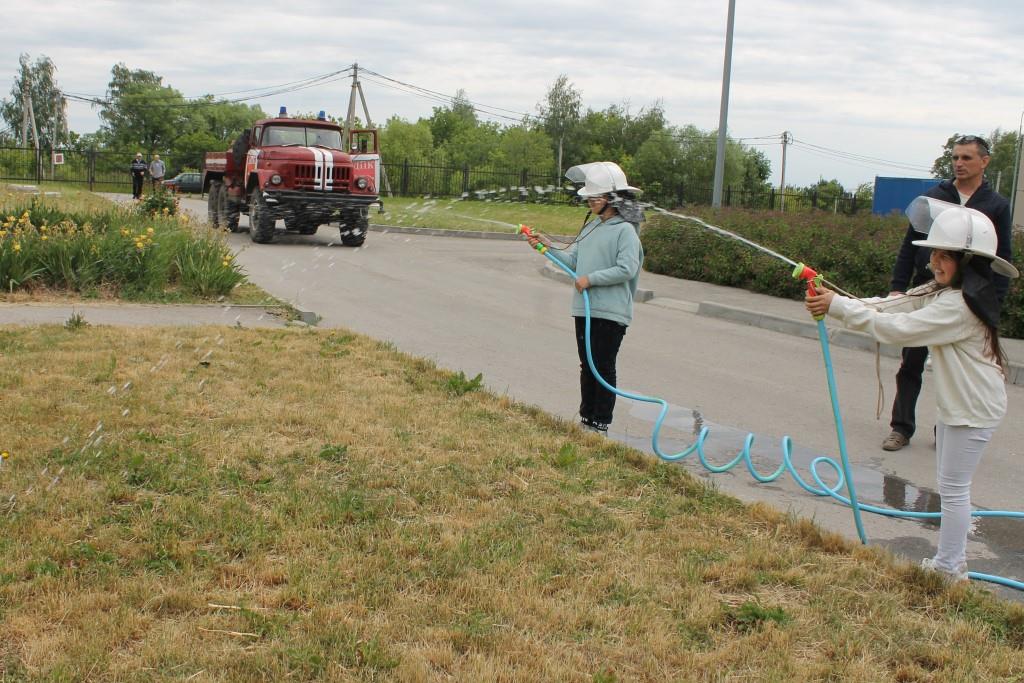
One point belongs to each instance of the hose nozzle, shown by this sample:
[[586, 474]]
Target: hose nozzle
[[525, 230], [811, 277]]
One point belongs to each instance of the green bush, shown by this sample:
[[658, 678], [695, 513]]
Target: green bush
[[119, 250], [857, 253], [158, 203]]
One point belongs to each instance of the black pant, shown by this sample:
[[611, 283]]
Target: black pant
[[137, 186], [596, 402], [908, 388]]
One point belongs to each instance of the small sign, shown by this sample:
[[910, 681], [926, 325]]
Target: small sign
[[58, 158]]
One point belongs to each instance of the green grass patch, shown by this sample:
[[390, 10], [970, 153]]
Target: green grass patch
[[295, 509], [487, 216]]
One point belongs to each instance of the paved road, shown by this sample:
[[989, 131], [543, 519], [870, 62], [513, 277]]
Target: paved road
[[481, 306]]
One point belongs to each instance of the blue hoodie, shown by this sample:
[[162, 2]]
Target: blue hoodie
[[609, 253]]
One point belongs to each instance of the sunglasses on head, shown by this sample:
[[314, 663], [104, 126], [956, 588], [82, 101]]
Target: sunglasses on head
[[972, 140]]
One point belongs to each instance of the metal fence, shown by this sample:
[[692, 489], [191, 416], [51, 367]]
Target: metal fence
[[97, 170], [104, 170]]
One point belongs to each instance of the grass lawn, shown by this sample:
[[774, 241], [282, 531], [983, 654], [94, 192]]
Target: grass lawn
[[223, 504], [491, 216]]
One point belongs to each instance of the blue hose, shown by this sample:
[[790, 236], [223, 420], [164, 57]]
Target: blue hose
[[841, 470]]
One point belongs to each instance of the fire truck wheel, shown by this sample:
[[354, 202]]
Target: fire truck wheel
[[354, 226], [261, 223], [213, 203]]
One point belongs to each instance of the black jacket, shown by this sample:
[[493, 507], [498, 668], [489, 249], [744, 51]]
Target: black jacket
[[912, 262], [139, 168]]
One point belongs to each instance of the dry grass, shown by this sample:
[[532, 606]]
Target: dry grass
[[311, 505]]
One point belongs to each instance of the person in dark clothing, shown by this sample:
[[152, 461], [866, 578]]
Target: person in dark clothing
[[138, 171], [968, 188]]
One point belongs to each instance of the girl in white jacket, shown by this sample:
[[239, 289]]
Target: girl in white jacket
[[956, 316]]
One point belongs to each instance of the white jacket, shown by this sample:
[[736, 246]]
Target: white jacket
[[969, 385]]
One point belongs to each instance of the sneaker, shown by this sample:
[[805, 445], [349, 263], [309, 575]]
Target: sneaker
[[894, 441], [953, 577], [592, 426]]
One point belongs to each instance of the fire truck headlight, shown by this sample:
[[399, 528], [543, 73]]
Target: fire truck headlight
[[362, 182], [275, 179]]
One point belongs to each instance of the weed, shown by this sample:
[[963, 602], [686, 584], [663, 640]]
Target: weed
[[459, 385], [76, 322]]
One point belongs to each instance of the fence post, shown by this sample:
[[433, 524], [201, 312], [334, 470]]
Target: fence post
[[728, 196], [39, 165], [771, 200], [405, 178], [90, 169], [465, 177], [853, 204], [679, 194], [814, 199]]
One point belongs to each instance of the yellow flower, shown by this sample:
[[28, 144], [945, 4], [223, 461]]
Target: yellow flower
[[125, 232], [224, 263], [140, 245], [43, 237], [3, 233], [17, 246], [150, 231], [4, 455]]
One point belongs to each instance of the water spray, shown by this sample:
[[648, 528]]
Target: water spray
[[841, 470]]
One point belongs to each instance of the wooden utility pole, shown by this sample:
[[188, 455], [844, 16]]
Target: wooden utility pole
[[350, 118], [786, 139]]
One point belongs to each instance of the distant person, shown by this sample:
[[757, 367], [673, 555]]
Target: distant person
[[956, 315], [607, 258], [968, 188], [156, 171], [138, 171]]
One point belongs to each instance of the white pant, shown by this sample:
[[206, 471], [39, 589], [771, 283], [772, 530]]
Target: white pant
[[957, 452]]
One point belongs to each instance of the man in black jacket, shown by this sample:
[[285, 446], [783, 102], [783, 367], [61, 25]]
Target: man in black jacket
[[969, 188], [138, 171]]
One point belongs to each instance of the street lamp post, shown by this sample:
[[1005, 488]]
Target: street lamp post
[[723, 112]]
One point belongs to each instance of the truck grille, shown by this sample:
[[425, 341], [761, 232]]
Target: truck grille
[[307, 176]]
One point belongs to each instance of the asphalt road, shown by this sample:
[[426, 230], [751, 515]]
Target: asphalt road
[[481, 306]]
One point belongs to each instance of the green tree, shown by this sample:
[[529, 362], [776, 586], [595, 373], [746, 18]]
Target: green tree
[[401, 140], [140, 111], [560, 114], [448, 122], [519, 147], [48, 103]]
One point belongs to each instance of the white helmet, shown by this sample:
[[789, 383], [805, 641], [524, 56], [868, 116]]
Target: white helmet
[[599, 178], [958, 228]]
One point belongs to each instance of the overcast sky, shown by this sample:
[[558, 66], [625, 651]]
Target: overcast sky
[[888, 79]]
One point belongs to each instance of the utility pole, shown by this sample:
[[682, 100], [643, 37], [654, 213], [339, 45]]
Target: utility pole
[[25, 99], [350, 117], [1016, 204], [786, 139], [723, 111]]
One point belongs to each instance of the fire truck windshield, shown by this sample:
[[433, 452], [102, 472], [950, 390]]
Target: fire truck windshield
[[301, 136]]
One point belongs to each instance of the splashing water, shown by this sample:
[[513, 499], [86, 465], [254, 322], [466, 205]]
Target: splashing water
[[725, 233]]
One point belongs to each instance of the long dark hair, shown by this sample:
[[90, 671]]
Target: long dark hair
[[974, 280]]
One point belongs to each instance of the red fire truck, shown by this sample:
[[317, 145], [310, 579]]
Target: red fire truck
[[299, 170]]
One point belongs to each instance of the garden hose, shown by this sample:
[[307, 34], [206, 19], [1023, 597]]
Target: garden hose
[[841, 469]]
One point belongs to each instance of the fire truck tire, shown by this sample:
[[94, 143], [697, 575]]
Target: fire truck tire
[[228, 211], [354, 226], [213, 204], [261, 223]]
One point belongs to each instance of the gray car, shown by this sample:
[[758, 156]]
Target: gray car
[[188, 182]]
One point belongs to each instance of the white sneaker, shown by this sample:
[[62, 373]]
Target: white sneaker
[[953, 577]]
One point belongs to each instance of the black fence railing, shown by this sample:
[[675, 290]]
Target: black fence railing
[[97, 170], [107, 171]]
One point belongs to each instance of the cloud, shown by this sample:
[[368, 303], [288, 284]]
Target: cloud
[[884, 79]]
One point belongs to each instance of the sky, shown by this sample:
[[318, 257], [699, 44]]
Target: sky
[[866, 88]]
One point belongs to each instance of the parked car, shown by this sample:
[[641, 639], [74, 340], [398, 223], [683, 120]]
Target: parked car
[[185, 182]]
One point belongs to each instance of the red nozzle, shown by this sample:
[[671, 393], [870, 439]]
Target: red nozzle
[[806, 273], [524, 230]]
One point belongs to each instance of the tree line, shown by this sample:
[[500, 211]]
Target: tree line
[[139, 112]]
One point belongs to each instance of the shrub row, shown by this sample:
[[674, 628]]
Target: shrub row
[[855, 252], [123, 250]]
